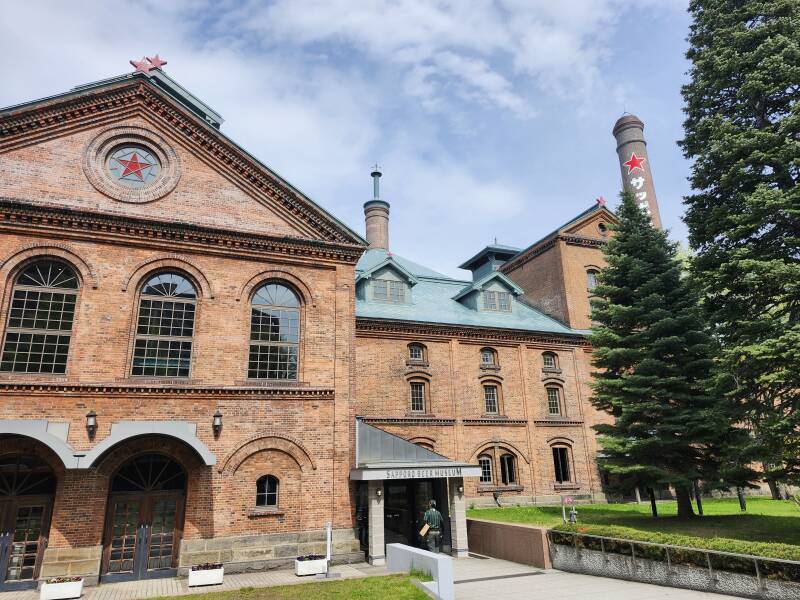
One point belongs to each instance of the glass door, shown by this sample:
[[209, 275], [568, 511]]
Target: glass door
[[22, 541]]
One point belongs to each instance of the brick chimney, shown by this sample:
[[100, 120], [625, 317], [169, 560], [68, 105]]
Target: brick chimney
[[376, 215]]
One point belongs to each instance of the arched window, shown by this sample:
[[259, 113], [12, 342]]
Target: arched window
[[419, 396], [591, 278], [40, 319], [508, 471], [267, 491], [417, 354], [164, 330], [485, 463], [491, 398], [549, 361], [553, 400], [561, 464], [488, 358], [274, 333]]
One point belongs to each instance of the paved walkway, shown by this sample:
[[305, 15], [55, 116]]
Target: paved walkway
[[481, 578], [476, 578]]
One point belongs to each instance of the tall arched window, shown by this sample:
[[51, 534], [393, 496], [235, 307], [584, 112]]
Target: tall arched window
[[267, 491], [164, 330], [40, 319], [274, 333], [485, 463], [554, 405], [561, 464], [508, 470]]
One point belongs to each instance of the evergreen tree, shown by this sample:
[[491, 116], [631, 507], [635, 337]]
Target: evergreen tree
[[743, 132], [655, 357]]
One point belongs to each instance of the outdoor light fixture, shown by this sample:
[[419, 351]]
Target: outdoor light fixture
[[91, 423], [379, 492], [461, 489], [217, 422]]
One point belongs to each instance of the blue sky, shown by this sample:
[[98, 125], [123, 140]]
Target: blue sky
[[489, 119]]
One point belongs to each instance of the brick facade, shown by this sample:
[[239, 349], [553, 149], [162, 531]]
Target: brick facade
[[229, 225]]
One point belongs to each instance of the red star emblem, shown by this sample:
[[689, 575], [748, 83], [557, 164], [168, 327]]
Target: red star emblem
[[142, 66], [156, 61], [601, 201], [133, 166], [634, 162]]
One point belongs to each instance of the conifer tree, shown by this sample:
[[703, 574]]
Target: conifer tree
[[655, 357], [743, 133]]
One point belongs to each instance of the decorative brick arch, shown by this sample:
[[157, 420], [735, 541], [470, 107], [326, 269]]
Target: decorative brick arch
[[113, 459], [268, 441], [306, 297], [32, 252], [422, 438], [170, 261], [498, 442], [560, 439], [29, 446]]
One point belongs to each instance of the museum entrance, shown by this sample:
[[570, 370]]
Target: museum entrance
[[27, 486], [144, 520], [406, 501]]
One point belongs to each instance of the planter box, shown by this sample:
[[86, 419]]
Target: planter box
[[310, 567], [206, 577], [60, 591]]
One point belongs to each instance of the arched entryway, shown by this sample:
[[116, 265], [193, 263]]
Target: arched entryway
[[27, 487], [144, 520]]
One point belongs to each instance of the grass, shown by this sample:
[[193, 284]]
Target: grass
[[396, 587], [768, 528]]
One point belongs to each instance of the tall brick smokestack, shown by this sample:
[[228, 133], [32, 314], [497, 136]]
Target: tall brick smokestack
[[635, 166], [376, 215]]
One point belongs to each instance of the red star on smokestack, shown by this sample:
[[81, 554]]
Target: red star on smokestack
[[634, 162]]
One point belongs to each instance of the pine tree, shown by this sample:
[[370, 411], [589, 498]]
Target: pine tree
[[655, 358], [743, 132]]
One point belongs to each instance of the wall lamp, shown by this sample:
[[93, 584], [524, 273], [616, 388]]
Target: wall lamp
[[461, 489], [379, 492], [91, 423], [216, 424]]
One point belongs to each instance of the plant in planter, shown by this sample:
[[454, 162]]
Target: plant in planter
[[206, 574], [60, 588], [311, 564]]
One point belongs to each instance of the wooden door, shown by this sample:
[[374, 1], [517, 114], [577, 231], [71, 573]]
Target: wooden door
[[24, 525]]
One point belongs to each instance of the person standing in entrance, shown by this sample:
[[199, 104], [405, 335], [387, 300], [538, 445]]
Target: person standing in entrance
[[433, 519]]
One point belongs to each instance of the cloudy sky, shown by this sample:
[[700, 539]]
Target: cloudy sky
[[489, 119]]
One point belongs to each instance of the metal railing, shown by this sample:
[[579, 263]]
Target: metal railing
[[604, 540]]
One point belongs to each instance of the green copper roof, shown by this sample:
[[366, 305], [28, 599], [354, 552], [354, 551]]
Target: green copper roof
[[432, 302]]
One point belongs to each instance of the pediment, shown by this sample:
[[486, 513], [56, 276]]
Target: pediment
[[208, 180]]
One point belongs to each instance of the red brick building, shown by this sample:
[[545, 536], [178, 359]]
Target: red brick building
[[200, 364]]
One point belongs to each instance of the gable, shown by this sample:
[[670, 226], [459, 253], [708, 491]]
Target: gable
[[592, 225], [46, 156]]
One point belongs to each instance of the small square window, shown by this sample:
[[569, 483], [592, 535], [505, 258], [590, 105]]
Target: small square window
[[415, 352], [549, 360]]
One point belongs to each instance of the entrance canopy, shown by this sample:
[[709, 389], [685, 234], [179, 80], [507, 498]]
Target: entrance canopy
[[381, 455]]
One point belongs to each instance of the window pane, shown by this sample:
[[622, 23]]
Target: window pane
[[507, 466], [490, 398], [487, 357], [161, 358], [553, 401], [486, 469], [504, 301], [490, 300], [561, 464], [591, 277], [415, 352], [380, 289], [549, 361], [417, 397], [272, 361], [43, 305], [267, 491]]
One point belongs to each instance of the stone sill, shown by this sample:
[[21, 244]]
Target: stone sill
[[566, 486], [417, 363], [265, 512], [555, 371], [500, 488], [490, 367]]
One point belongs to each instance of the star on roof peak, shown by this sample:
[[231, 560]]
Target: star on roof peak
[[148, 63]]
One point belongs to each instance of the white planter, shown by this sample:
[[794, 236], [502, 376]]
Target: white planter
[[59, 591], [206, 577], [310, 567]]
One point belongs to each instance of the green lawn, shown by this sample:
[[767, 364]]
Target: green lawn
[[768, 528], [397, 587]]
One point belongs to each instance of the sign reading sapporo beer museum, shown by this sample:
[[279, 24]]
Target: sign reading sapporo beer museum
[[423, 473]]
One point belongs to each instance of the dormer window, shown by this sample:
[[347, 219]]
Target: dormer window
[[499, 301], [387, 290]]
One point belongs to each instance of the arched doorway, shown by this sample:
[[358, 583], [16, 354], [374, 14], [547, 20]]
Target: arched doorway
[[27, 487], [144, 520]]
